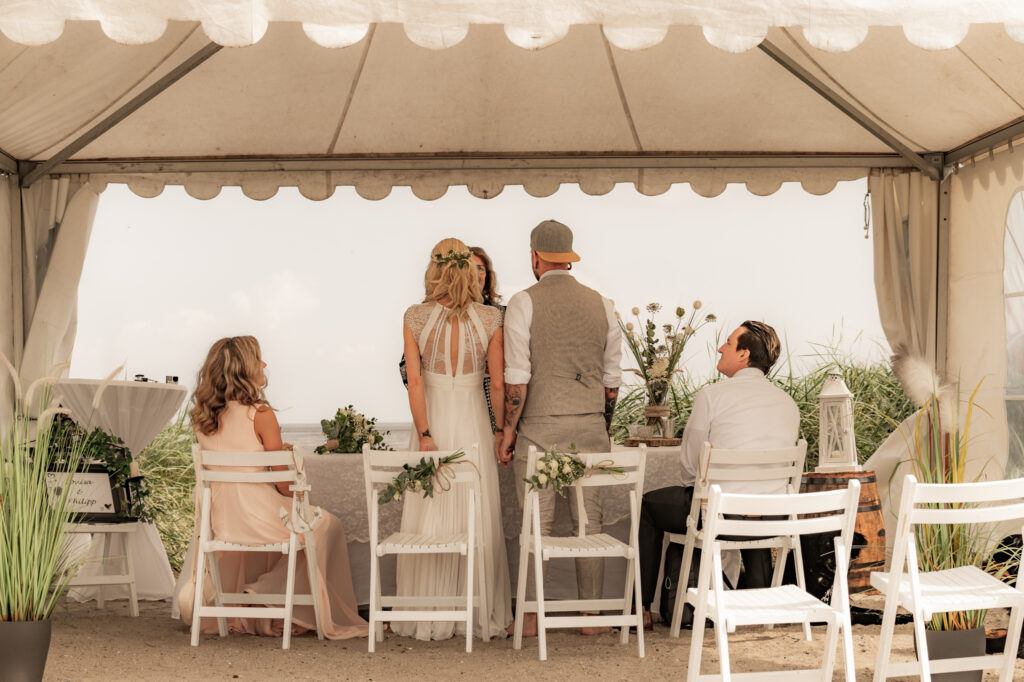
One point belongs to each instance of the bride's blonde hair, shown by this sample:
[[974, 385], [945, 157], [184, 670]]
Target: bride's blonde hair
[[452, 277], [231, 372]]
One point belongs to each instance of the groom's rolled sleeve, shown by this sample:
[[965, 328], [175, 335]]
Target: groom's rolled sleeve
[[518, 316], [612, 349]]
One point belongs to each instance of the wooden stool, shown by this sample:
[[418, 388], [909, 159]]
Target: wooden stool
[[109, 530]]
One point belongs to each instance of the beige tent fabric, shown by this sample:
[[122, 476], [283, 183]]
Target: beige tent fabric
[[39, 329], [904, 211], [980, 197], [51, 335]]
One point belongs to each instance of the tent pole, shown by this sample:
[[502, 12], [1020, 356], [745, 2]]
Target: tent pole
[[121, 113], [942, 276], [481, 162], [17, 273], [859, 117], [8, 164]]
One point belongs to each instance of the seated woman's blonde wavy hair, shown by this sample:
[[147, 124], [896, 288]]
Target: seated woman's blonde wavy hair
[[232, 371], [452, 278]]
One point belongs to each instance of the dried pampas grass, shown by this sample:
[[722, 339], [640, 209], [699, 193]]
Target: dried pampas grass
[[923, 385]]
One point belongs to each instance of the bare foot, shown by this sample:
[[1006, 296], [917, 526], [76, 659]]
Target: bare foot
[[596, 630], [529, 626]]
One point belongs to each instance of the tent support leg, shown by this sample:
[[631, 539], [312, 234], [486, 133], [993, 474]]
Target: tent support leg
[[121, 113], [942, 277], [834, 98]]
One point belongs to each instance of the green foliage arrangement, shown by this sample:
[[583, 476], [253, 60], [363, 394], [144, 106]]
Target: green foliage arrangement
[[421, 478], [35, 483], [110, 452], [170, 478], [348, 431]]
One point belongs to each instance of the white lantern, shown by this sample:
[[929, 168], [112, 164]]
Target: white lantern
[[837, 447]]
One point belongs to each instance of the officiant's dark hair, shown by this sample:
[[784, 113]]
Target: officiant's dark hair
[[762, 342], [490, 292]]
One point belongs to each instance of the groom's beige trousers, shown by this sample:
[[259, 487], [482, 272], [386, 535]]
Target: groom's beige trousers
[[587, 432]]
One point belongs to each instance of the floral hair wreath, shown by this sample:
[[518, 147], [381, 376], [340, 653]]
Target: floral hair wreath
[[453, 259]]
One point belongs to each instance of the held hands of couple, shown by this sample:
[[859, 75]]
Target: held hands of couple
[[504, 446]]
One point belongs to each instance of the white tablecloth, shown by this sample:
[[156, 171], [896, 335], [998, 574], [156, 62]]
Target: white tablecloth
[[134, 411], [338, 486]]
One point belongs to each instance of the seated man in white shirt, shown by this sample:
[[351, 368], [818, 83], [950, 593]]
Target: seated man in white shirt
[[745, 411]]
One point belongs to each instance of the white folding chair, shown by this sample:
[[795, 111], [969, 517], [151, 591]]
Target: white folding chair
[[833, 510], [716, 465], [961, 588], [297, 520], [380, 468], [583, 546]]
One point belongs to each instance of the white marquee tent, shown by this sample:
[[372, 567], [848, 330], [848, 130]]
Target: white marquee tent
[[926, 98]]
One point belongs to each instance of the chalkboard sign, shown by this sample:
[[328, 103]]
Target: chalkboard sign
[[91, 495]]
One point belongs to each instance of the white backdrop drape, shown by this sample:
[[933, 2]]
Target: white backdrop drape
[[44, 235]]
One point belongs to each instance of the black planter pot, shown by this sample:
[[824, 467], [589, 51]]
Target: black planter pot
[[955, 644], [23, 649]]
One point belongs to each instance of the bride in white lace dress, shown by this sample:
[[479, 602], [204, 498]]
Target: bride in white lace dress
[[450, 340]]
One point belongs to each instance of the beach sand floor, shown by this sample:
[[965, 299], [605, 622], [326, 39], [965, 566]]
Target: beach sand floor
[[93, 644]]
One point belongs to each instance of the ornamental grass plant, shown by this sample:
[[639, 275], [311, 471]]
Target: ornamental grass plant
[[35, 506], [170, 478], [939, 449]]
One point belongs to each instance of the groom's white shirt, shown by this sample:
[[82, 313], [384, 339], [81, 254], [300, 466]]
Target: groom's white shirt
[[743, 412], [519, 318]]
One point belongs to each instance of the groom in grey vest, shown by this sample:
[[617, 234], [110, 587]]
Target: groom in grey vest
[[562, 376]]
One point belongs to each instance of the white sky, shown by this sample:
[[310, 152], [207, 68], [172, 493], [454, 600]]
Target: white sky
[[323, 285]]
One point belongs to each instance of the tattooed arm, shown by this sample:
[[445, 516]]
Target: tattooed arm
[[515, 398], [611, 396]]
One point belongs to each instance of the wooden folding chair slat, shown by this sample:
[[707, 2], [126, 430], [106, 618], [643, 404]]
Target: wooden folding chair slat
[[961, 588], [208, 546], [582, 545], [379, 469], [779, 604]]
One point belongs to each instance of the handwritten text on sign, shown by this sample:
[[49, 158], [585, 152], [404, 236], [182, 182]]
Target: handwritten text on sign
[[89, 492]]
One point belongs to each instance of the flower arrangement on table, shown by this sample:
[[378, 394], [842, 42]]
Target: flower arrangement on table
[[348, 431], [560, 470], [657, 357], [421, 478]]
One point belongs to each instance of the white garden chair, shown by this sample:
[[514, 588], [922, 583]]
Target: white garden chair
[[961, 588], [380, 468], [716, 465], [583, 546], [298, 521], [824, 512]]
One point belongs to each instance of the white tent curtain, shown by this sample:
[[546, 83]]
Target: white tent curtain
[[904, 214], [44, 246]]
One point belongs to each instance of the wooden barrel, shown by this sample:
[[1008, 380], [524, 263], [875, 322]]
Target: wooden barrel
[[868, 551]]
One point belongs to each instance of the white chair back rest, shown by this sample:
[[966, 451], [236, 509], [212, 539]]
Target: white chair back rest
[[982, 502], [718, 465], [820, 512], [381, 466], [204, 459]]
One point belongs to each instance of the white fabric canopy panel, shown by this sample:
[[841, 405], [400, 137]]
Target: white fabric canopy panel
[[485, 113]]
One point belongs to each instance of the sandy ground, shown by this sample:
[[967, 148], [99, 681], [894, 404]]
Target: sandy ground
[[93, 644]]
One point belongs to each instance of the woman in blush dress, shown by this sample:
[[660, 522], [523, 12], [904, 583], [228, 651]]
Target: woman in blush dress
[[450, 340], [230, 413]]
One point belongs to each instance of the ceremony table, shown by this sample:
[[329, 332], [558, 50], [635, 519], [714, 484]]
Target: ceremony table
[[134, 411], [337, 486]]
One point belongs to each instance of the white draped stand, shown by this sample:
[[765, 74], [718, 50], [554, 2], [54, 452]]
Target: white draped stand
[[134, 411]]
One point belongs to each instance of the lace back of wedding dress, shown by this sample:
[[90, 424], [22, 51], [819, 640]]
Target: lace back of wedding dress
[[432, 328]]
